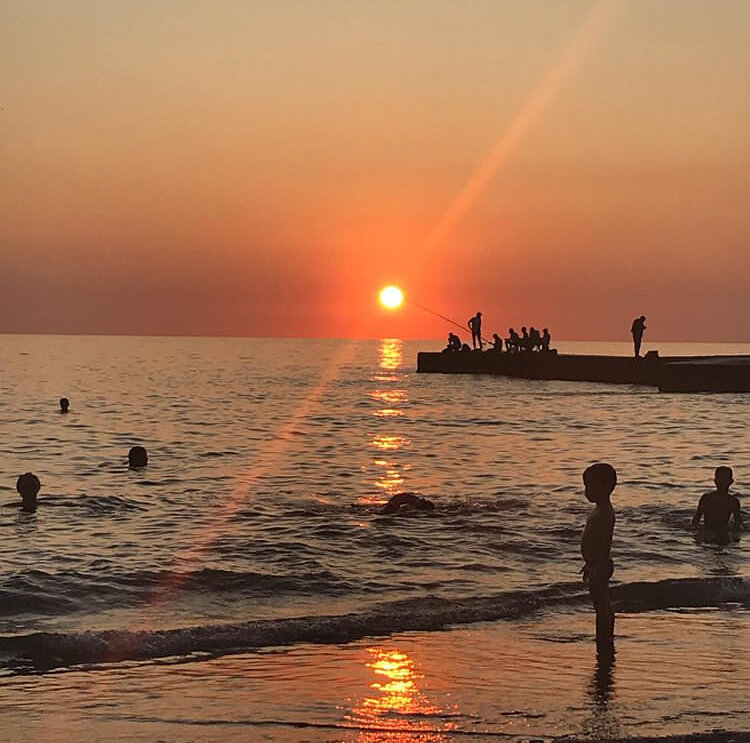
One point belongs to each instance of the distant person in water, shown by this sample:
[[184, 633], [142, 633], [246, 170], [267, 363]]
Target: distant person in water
[[137, 457], [64, 404], [716, 507], [596, 541], [546, 340], [403, 502], [637, 328], [475, 325], [28, 487]]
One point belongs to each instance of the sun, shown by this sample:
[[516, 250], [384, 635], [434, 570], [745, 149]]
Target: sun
[[391, 297]]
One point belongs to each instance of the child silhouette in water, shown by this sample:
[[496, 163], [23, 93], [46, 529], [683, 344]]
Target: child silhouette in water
[[596, 541], [28, 487], [716, 507]]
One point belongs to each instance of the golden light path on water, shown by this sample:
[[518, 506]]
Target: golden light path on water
[[398, 709], [390, 479]]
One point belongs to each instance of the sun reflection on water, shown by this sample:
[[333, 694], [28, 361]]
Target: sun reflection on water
[[391, 394], [391, 353], [398, 709]]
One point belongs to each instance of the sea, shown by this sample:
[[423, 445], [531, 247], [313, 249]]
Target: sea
[[244, 585]]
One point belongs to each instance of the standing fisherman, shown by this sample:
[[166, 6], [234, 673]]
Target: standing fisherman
[[475, 325], [637, 328]]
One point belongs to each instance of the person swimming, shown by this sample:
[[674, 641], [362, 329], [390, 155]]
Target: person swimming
[[716, 507], [137, 457], [64, 404], [28, 486], [406, 502]]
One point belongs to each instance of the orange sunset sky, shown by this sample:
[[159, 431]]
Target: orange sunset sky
[[228, 167]]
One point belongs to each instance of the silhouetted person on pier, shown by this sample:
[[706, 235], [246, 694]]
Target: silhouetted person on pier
[[535, 340], [403, 502], [596, 541], [545, 340], [512, 341], [64, 404], [497, 342], [475, 325], [524, 340], [454, 343], [717, 506], [137, 457], [637, 328], [28, 486]]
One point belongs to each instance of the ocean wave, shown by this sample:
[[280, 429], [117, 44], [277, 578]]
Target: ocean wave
[[43, 592], [44, 650]]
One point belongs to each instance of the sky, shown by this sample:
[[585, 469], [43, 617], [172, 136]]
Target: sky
[[230, 167]]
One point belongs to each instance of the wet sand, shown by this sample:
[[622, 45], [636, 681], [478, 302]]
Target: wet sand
[[676, 674]]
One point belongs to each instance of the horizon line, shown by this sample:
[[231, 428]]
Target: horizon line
[[341, 338]]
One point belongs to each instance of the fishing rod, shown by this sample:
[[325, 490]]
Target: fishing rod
[[443, 317]]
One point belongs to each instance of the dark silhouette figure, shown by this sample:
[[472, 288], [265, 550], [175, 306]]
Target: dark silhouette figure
[[28, 486], [545, 340], [637, 328], [524, 341], [535, 340], [475, 325], [137, 457], [596, 541], [64, 404], [512, 342], [717, 506], [404, 502], [497, 342], [454, 342]]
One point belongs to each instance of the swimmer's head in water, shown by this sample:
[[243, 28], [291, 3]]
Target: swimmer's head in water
[[723, 477], [64, 404], [137, 457], [599, 480], [28, 486]]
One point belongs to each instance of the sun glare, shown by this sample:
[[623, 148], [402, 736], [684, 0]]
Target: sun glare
[[391, 297]]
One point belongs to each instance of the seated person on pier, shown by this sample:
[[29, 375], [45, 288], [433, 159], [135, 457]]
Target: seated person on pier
[[524, 340], [454, 343], [497, 342], [403, 502], [535, 340], [512, 342], [545, 340]]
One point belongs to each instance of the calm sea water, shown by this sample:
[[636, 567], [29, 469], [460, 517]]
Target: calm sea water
[[255, 524]]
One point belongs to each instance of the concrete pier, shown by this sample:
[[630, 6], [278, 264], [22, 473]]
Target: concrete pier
[[669, 374]]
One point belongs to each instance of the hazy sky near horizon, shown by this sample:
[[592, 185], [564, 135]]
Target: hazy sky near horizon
[[229, 167]]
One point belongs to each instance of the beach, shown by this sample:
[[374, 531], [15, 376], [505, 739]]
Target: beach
[[243, 586]]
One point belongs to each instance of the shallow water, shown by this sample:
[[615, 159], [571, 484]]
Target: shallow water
[[268, 459]]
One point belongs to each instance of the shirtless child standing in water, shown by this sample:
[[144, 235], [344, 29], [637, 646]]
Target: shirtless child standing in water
[[596, 541]]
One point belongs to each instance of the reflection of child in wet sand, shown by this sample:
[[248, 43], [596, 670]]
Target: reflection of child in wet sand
[[717, 506], [596, 541]]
